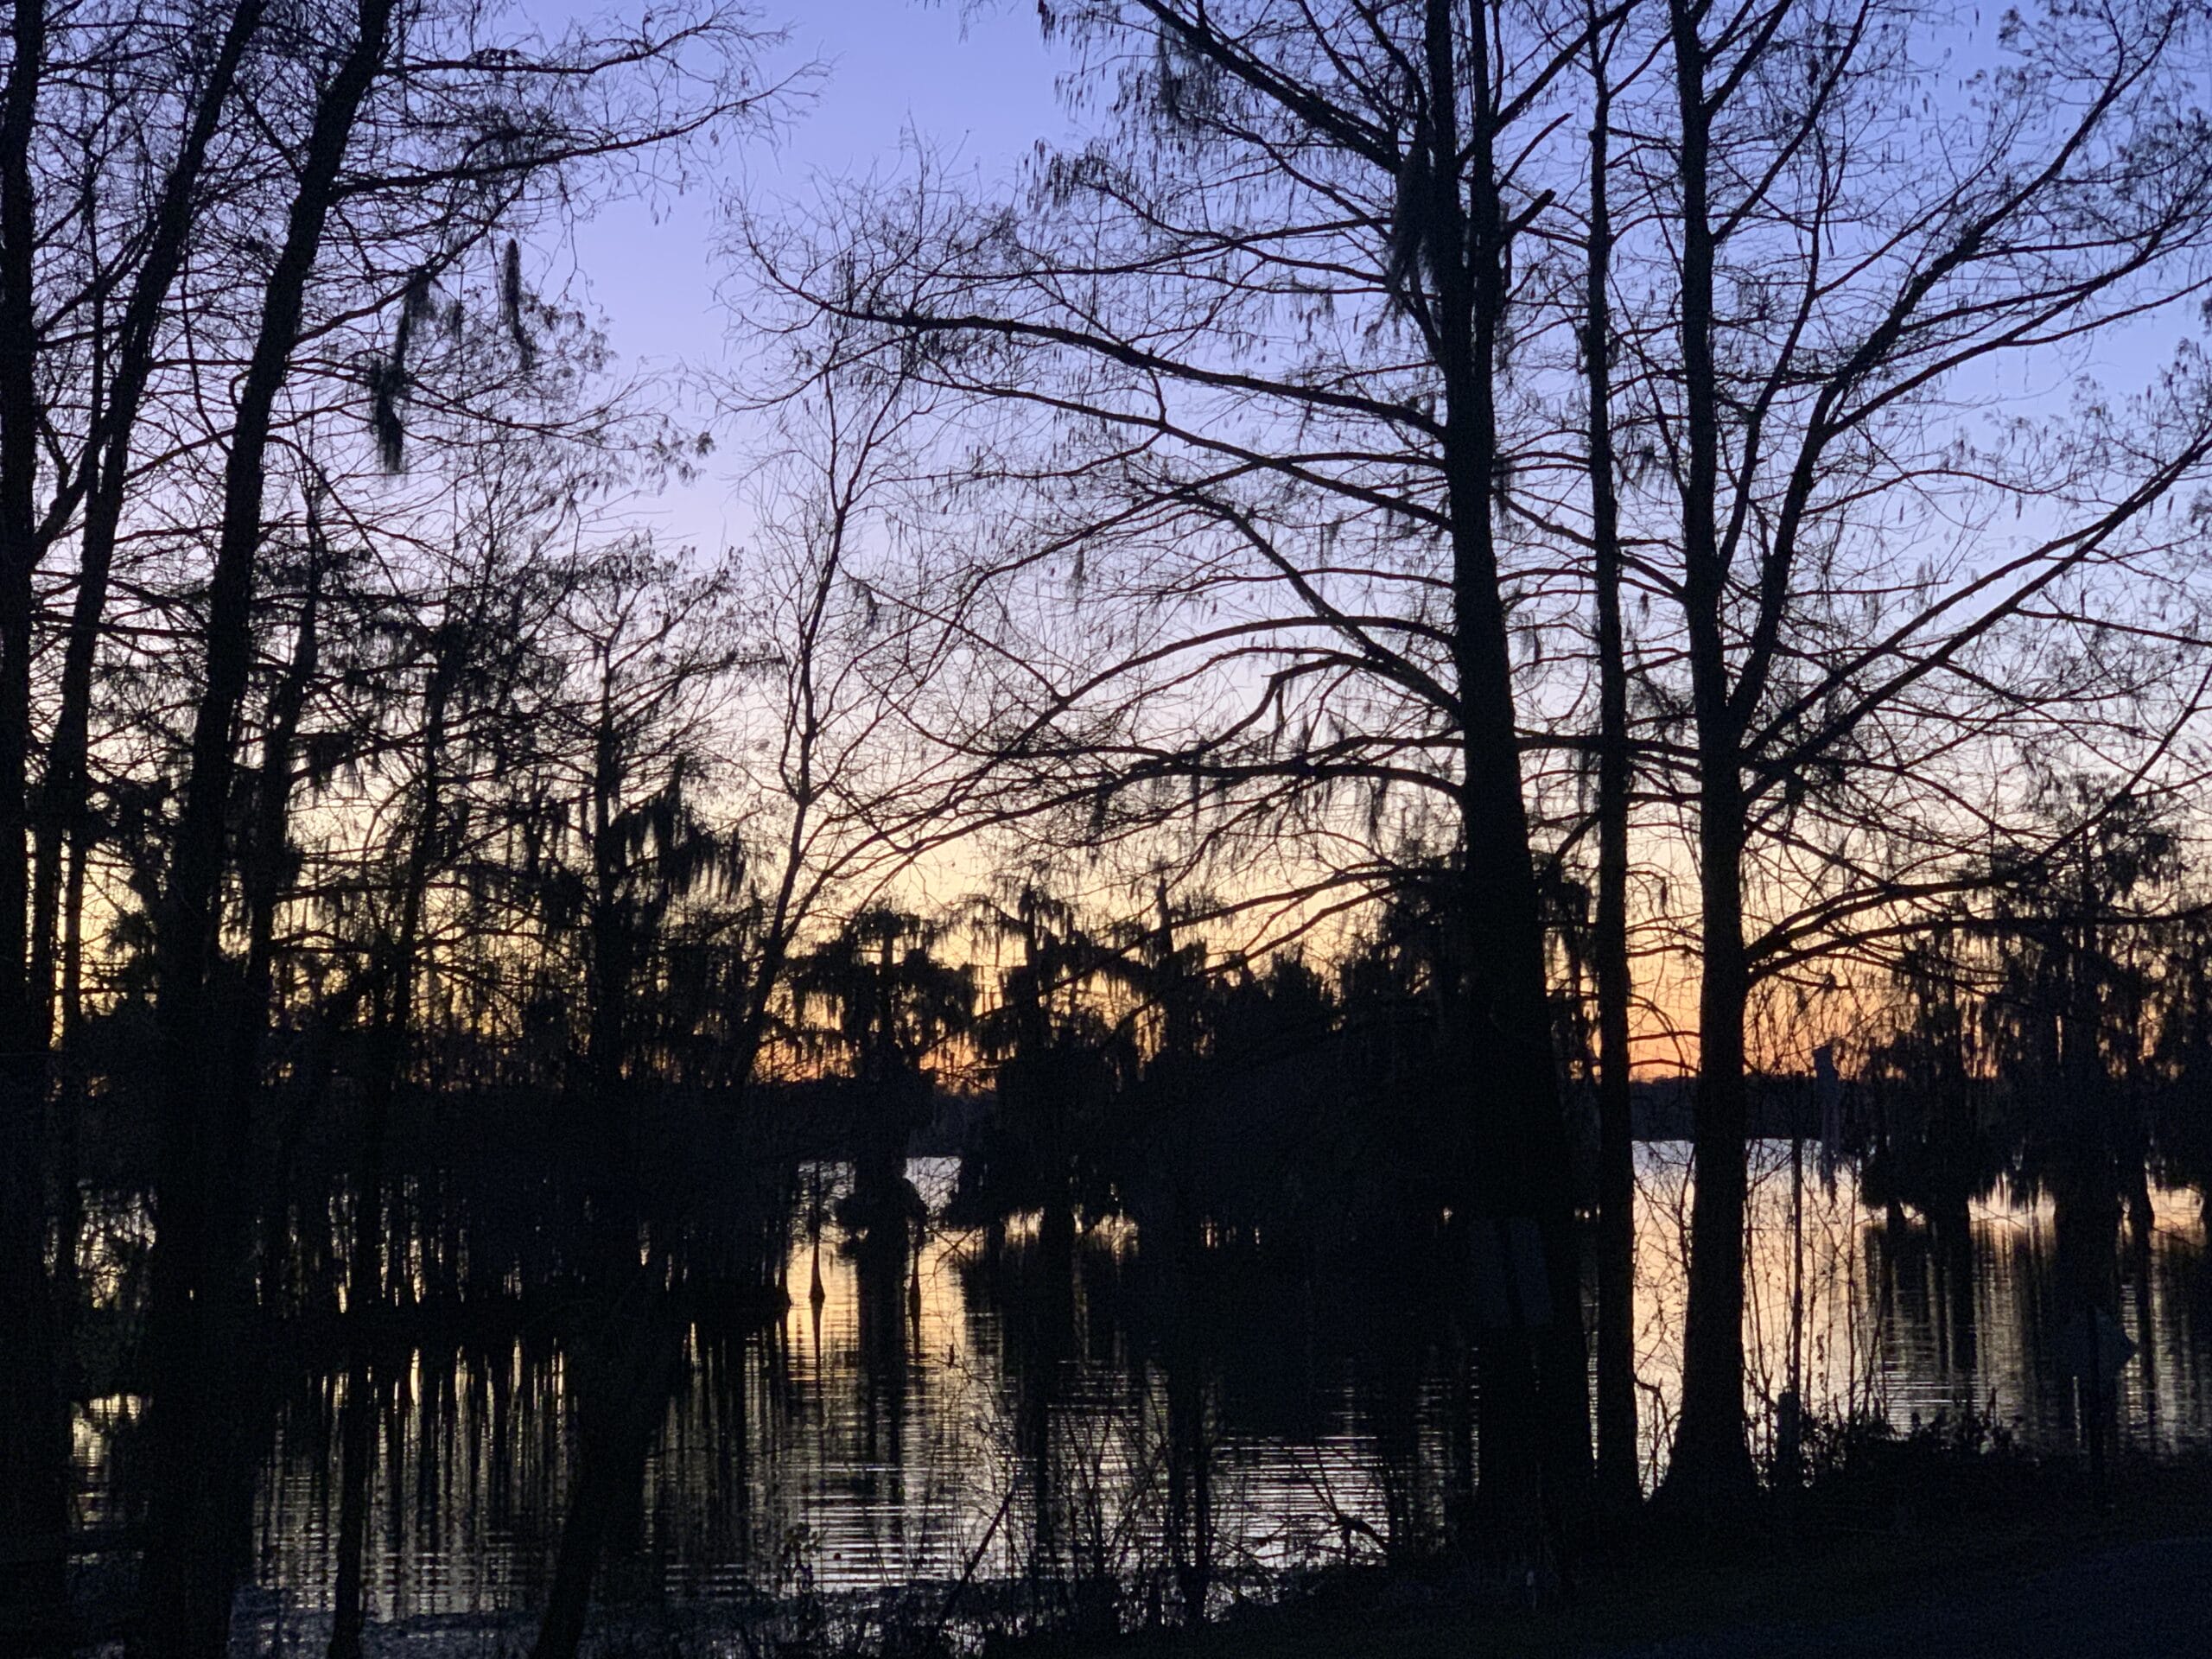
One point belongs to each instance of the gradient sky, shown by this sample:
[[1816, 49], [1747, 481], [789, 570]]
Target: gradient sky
[[975, 81]]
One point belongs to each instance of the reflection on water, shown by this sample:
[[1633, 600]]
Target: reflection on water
[[1902, 1325], [956, 1426]]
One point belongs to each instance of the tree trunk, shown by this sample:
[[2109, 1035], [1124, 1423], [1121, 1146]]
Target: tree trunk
[[200, 1291], [34, 1428], [1618, 1485], [622, 1371], [1711, 1461], [394, 1014], [63, 819], [1534, 1436]]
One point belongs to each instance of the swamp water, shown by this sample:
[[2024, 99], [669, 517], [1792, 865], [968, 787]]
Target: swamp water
[[1000, 1433]]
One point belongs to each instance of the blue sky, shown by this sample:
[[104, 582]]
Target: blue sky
[[975, 81]]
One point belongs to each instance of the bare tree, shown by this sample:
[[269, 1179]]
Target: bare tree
[[1844, 270], [1619, 1479], [1256, 332], [468, 174]]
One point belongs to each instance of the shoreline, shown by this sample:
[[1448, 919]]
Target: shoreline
[[2031, 1563]]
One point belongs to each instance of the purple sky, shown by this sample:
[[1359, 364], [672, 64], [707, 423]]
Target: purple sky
[[976, 81]]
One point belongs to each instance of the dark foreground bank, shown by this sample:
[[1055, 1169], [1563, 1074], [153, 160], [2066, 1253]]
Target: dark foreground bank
[[2023, 1562]]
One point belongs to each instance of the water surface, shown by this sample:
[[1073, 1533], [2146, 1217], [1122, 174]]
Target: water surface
[[998, 1423]]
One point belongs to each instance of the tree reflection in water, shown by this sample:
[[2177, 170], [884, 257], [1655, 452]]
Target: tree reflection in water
[[1031, 1423]]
